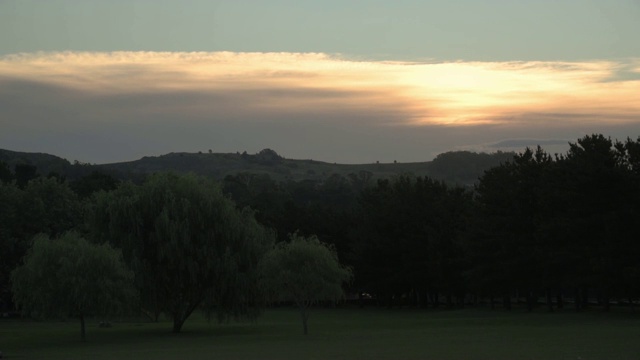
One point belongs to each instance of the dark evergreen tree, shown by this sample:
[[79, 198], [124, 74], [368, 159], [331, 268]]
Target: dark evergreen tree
[[510, 255], [409, 242]]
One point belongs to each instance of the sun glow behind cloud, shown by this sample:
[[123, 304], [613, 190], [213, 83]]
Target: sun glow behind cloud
[[409, 93], [121, 105]]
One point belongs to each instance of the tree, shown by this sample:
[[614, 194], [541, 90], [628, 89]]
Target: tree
[[6, 176], [546, 224], [24, 173], [50, 207], [43, 206], [94, 182], [13, 245], [305, 271], [601, 196], [69, 275], [187, 244], [262, 194], [513, 253], [409, 239]]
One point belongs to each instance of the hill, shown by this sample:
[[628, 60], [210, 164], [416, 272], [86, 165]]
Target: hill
[[460, 167], [45, 163]]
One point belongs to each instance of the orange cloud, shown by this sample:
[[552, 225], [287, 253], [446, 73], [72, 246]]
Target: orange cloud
[[406, 93]]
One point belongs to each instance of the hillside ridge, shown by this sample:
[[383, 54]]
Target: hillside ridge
[[460, 167]]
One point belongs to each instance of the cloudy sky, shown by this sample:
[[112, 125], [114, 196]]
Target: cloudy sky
[[339, 81]]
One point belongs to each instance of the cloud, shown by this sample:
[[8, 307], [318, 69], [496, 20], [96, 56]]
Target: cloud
[[119, 105]]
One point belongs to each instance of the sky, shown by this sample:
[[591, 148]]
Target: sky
[[338, 81]]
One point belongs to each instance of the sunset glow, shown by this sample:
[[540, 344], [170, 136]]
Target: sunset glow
[[348, 82], [226, 93], [453, 94]]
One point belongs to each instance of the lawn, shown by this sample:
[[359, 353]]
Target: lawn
[[341, 334]]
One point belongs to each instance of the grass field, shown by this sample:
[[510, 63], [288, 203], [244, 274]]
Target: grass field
[[341, 334]]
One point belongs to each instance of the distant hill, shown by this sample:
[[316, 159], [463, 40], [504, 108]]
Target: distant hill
[[464, 167], [461, 167], [44, 163]]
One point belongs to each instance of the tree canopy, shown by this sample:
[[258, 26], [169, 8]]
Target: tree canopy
[[187, 244], [44, 205], [71, 276], [409, 238], [563, 226], [303, 270]]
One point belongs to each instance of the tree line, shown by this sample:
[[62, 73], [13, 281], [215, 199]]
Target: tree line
[[539, 225], [546, 226], [171, 245]]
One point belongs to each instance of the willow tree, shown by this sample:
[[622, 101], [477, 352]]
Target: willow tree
[[187, 244], [305, 271], [71, 276]]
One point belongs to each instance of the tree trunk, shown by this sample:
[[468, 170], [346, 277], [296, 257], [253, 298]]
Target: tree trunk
[[530, 301], [178, 321], [559, 300], [305, 319], [506, 301], [549, 300], [152, 315], [606, 301], [82, 328], [585, 297], [423, 302], [436, 299], [180, 315]]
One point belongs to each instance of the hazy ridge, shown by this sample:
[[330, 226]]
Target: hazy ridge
[[461, 167]]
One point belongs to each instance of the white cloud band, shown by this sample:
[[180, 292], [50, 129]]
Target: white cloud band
[[43, 94]]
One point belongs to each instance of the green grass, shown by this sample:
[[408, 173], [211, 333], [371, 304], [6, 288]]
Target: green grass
[[341, 334]]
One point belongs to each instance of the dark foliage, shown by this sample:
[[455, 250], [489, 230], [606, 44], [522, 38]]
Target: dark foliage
[[533, 227]]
